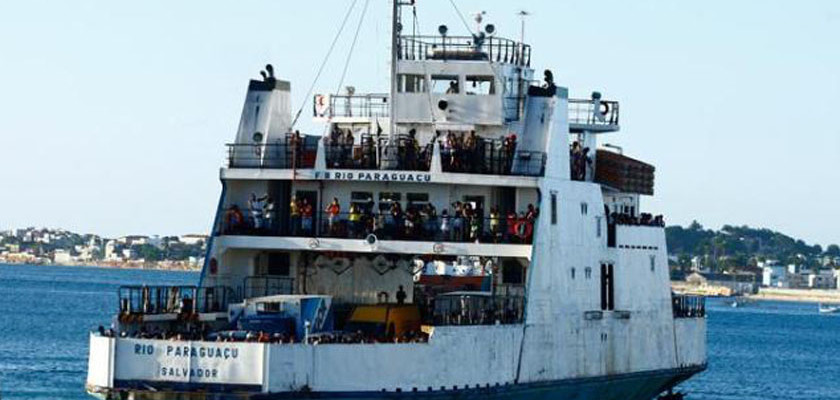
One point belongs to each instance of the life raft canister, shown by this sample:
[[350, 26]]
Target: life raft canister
[[322, 105]]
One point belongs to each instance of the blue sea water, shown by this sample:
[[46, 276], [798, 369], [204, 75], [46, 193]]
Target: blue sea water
[[769, 350]]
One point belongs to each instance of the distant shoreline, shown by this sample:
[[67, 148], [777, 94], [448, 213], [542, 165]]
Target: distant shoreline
[[764, 294], [127, 266], [798, 295]]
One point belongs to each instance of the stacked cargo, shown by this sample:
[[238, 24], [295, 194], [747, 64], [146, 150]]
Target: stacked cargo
[[623, 173]]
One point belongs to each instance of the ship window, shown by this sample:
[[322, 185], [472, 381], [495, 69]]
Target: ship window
[[417, 197], [598, 225], [445, 84], [573, 272], [364, 200], [554, 208], [584, 208], [388, 198], [588, 272], [411, 83], [607, 287], [481, 85], [652, 263]]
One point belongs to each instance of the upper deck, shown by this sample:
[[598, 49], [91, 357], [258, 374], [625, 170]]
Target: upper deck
[[441, 153]]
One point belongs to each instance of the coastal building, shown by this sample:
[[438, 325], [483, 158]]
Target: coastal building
[[737, 283], [822, 279], [192, 239], [62, 257], [774, 275]]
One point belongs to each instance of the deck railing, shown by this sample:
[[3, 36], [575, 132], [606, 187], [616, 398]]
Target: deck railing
[[493, 49], [473, 309], [271, 155], [583, 112], [267, 285], [148, 300], [387, 226], [368, 105], [401, 153], [689, 306]]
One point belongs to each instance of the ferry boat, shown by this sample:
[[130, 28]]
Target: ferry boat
[[454, 238]]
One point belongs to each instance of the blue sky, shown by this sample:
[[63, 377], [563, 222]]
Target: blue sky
[[114, 115]]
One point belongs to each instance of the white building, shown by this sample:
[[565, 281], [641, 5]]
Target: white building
[[823, 279], [774, 275], [61, 256], [192, 239], [110, 251]]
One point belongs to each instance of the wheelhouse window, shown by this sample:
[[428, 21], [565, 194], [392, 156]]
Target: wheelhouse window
[[412, 83], [480, 85], [554, 209], [445, 84]]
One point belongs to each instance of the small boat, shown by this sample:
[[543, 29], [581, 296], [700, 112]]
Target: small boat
[[740, 301], [829, 308]]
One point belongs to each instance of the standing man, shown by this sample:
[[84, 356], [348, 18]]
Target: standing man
[[401, 296]]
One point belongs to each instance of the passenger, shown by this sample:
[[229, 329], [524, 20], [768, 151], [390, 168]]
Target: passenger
[[234, 220], [511, 223], [495, 221], [458, 222], [306, 217], [475, 228], [256, 207], [470, 145], [453, 87], [586, 164], [548, 86], [347, 148], [532, 213], [333, 210], [509, 148], [431, 218], [270, 217], [445, 228], [574, 160], [294, 216], [397, 218], [410, 222], [411, 150], [355, 220], [401, 296]]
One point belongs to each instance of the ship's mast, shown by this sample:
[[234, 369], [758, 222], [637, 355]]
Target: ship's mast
[[395, 39]]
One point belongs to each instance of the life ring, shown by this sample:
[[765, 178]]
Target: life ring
[[605, 109], [524, 229]]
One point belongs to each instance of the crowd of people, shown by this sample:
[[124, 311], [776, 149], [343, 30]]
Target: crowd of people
[[644, 219], [402, 152], [580, 160], [422, 222], [460, 152], [262, 217], [471, 153]]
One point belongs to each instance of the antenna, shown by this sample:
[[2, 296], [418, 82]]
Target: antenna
[[522, 14]]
